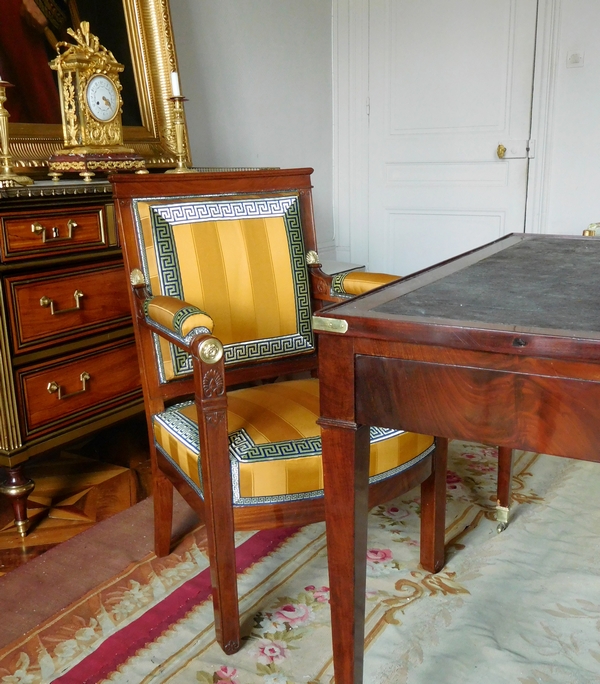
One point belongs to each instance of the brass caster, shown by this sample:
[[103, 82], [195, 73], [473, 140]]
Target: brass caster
[[501, 518], [22, 527]]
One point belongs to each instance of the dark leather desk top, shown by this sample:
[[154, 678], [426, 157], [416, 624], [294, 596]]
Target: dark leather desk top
[[545, 283], [518, 283]]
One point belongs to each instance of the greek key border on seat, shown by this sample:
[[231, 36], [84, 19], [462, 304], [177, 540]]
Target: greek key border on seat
[[242, 449]]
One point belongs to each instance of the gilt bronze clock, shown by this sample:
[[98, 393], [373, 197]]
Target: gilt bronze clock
[[90, 96]]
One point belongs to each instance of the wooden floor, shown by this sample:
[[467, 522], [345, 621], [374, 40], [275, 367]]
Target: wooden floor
[[76, 488]]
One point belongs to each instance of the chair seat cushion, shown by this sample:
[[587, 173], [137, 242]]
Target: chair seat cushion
[[275, 443]]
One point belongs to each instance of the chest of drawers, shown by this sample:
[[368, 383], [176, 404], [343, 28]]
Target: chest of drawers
[[68, 364]]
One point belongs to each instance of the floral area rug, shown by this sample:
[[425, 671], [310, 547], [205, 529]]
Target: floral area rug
[[521, 607]]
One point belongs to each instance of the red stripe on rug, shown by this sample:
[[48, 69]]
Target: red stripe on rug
[[118, 647]]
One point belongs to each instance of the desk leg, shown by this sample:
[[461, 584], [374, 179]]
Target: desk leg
[[346, 509], [433, 509], [505, 459]]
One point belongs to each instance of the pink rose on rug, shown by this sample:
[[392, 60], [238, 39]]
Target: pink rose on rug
[[379, 555], [321, 595], [295, 614], [483, 467], [227, 675], [452, 479], [396, 513], [267, 651], [379, 562]]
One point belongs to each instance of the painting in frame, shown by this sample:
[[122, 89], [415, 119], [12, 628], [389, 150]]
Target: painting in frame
[[138, 32]]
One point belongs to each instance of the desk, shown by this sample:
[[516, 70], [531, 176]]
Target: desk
[[499, 346]]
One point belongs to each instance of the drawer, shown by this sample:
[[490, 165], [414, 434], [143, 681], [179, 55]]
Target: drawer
[[46, 233], [57, 306], [62, 393]]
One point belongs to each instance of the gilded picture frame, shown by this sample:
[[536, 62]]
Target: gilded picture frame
[[153, 58]]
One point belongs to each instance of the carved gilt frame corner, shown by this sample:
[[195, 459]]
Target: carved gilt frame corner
[[152, 46]]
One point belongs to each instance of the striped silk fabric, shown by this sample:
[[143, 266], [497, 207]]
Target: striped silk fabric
[[275, 444], [246, 271]]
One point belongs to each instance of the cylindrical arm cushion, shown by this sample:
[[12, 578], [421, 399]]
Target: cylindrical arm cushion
[[359, 282], [177, 315]]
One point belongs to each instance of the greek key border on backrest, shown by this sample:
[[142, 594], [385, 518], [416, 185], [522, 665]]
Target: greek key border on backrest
[[164, 217]]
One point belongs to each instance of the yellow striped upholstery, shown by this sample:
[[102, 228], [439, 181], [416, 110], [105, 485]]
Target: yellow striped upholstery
[[239, 271], [271, 417]]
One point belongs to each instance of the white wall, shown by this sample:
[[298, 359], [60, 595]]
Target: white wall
[[572, 187], [257, 74], [258, 77]]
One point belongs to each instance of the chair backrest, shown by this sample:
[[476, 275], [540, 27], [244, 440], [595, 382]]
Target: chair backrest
[[232, 244]]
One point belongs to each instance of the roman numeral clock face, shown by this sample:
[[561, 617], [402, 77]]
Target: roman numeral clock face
[[102, 98]]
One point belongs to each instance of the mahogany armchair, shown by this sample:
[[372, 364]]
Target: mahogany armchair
[[225, 278]]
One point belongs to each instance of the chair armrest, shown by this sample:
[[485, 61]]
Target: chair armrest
[[177, 316], [353, 283]]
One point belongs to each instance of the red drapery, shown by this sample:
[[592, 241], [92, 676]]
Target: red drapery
[[24, 63]]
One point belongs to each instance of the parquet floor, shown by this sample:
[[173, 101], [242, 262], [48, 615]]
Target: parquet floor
[[76, 488]]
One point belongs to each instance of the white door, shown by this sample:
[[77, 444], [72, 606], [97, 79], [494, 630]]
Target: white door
[[449, 81]]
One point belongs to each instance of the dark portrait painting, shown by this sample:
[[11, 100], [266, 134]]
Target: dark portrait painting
[[29, 33]]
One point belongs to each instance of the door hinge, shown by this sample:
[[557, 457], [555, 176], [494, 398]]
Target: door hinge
[[530, 149]]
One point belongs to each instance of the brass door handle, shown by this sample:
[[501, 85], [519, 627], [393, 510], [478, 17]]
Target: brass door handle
[[501, 151], [39, 229], [54, 387], [47, 302]]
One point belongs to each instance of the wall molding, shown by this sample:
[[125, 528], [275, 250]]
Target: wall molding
[[351, 129], [542, 119]]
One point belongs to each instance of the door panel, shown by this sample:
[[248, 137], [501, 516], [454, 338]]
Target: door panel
[[448, 82]]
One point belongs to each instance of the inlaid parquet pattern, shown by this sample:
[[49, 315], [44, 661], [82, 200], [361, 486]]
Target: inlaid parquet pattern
[[75, 489]]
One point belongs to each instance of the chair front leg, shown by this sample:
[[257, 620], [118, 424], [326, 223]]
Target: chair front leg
[[211, 404]]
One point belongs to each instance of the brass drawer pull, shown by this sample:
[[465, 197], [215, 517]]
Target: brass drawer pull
[[55, 387], [45, 301], [39, 229]]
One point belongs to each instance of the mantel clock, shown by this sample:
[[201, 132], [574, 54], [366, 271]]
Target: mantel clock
[[90, 95]]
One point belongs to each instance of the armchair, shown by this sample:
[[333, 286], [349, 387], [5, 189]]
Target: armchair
[[225, 278]]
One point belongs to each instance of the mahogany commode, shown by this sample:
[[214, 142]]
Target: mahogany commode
[[499, 346], [68, 362]]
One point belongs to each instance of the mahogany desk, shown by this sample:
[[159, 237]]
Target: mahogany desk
[[499, 346]]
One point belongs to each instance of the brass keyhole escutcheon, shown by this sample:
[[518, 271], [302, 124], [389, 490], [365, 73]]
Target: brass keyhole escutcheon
[[501, 151]]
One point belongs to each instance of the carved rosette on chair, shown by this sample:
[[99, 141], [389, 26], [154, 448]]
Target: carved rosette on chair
[[91, 104], [225, 278]]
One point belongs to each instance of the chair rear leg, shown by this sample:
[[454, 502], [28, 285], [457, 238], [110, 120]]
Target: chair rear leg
[[163, 513], [433, 509]]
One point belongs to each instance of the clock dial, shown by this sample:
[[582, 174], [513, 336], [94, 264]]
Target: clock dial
[[102, 98]]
